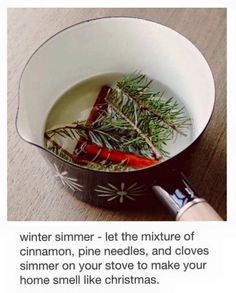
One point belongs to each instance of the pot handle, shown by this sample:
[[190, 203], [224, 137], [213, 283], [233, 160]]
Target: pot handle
[[182, 201]]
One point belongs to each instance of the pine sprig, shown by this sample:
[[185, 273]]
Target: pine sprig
[[137, 124], [149, 129], [73, 130], [137, 88], [102, 132]]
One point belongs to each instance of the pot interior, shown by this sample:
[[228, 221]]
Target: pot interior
[[114, 45]]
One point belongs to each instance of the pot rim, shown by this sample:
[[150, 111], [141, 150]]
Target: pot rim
[[102, 171]]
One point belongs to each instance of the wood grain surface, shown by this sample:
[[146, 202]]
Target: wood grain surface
[[34, 194]]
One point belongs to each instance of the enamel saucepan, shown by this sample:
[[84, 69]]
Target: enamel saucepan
[[119, 44]]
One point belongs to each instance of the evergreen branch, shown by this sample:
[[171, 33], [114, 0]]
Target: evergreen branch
[[150, 111], [100, 133], [154, 132], [138, 130], [136, 87]]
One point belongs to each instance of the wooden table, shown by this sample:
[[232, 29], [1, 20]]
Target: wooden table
[[33, 193]]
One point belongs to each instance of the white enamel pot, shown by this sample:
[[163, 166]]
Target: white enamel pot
[[107, 45]]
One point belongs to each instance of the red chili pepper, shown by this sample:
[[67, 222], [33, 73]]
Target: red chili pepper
[[99, 105]]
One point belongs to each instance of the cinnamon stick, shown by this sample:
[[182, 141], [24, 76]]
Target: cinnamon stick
[[95, 152], [98, 106]]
